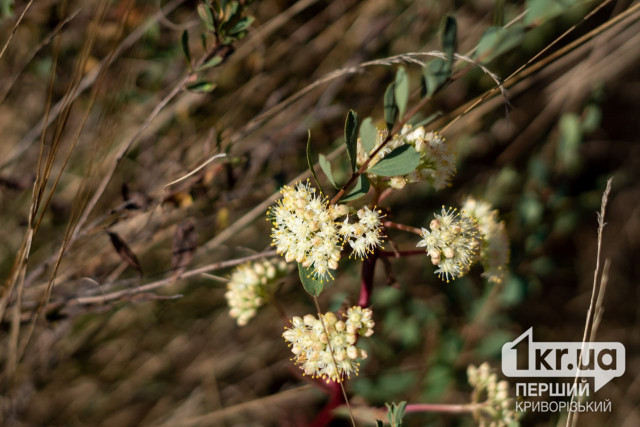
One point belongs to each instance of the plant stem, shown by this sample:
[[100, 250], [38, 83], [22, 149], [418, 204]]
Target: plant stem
[[391, 224], [366, 280]]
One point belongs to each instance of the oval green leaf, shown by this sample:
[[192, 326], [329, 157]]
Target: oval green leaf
[[184, 40], [361, 189], [435, 74], [449, 38], [351, 137], [309, 282], [216, 60], [390, 107], [326, 168], [368, 134], [497, 40], [401, 90], [401, 161], [202, 87]]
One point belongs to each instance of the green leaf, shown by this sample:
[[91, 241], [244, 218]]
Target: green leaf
[[434, 75], [390, 107], [351, 137], [449, 39], [185, 47], [361, 189], [218, 6], [368, 135], [326, 168], [203, 39], [401, 161], [241, 25], [395, 413], [401, 90], [212, 62], [203, 87], [540, 11], [497, 40], [206, 15], [310, 161], [309, 282]]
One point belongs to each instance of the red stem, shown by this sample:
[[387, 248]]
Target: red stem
[[366, 280], [336, 398]]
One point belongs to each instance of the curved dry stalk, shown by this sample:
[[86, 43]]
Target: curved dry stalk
[[202, 165]]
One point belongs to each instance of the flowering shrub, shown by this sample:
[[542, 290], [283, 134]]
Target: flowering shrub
[[315, 231]]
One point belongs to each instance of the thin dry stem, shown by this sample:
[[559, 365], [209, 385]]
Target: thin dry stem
[[597, 295]]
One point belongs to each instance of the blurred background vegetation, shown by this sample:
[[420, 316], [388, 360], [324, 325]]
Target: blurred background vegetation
[[169, 354]]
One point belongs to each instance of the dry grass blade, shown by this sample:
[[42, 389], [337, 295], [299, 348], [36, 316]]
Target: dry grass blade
[[15, 28], [597, 296]]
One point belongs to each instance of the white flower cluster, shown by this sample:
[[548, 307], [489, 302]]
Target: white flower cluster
[[306, 229], [331, 355], [365, 235], [437, 161], [494, 252], [248, 287], [498, 409], [453, 243]]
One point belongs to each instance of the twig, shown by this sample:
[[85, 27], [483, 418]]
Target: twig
[[159, 283]]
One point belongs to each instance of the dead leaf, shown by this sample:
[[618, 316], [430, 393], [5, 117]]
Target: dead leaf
[[126, 254]]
